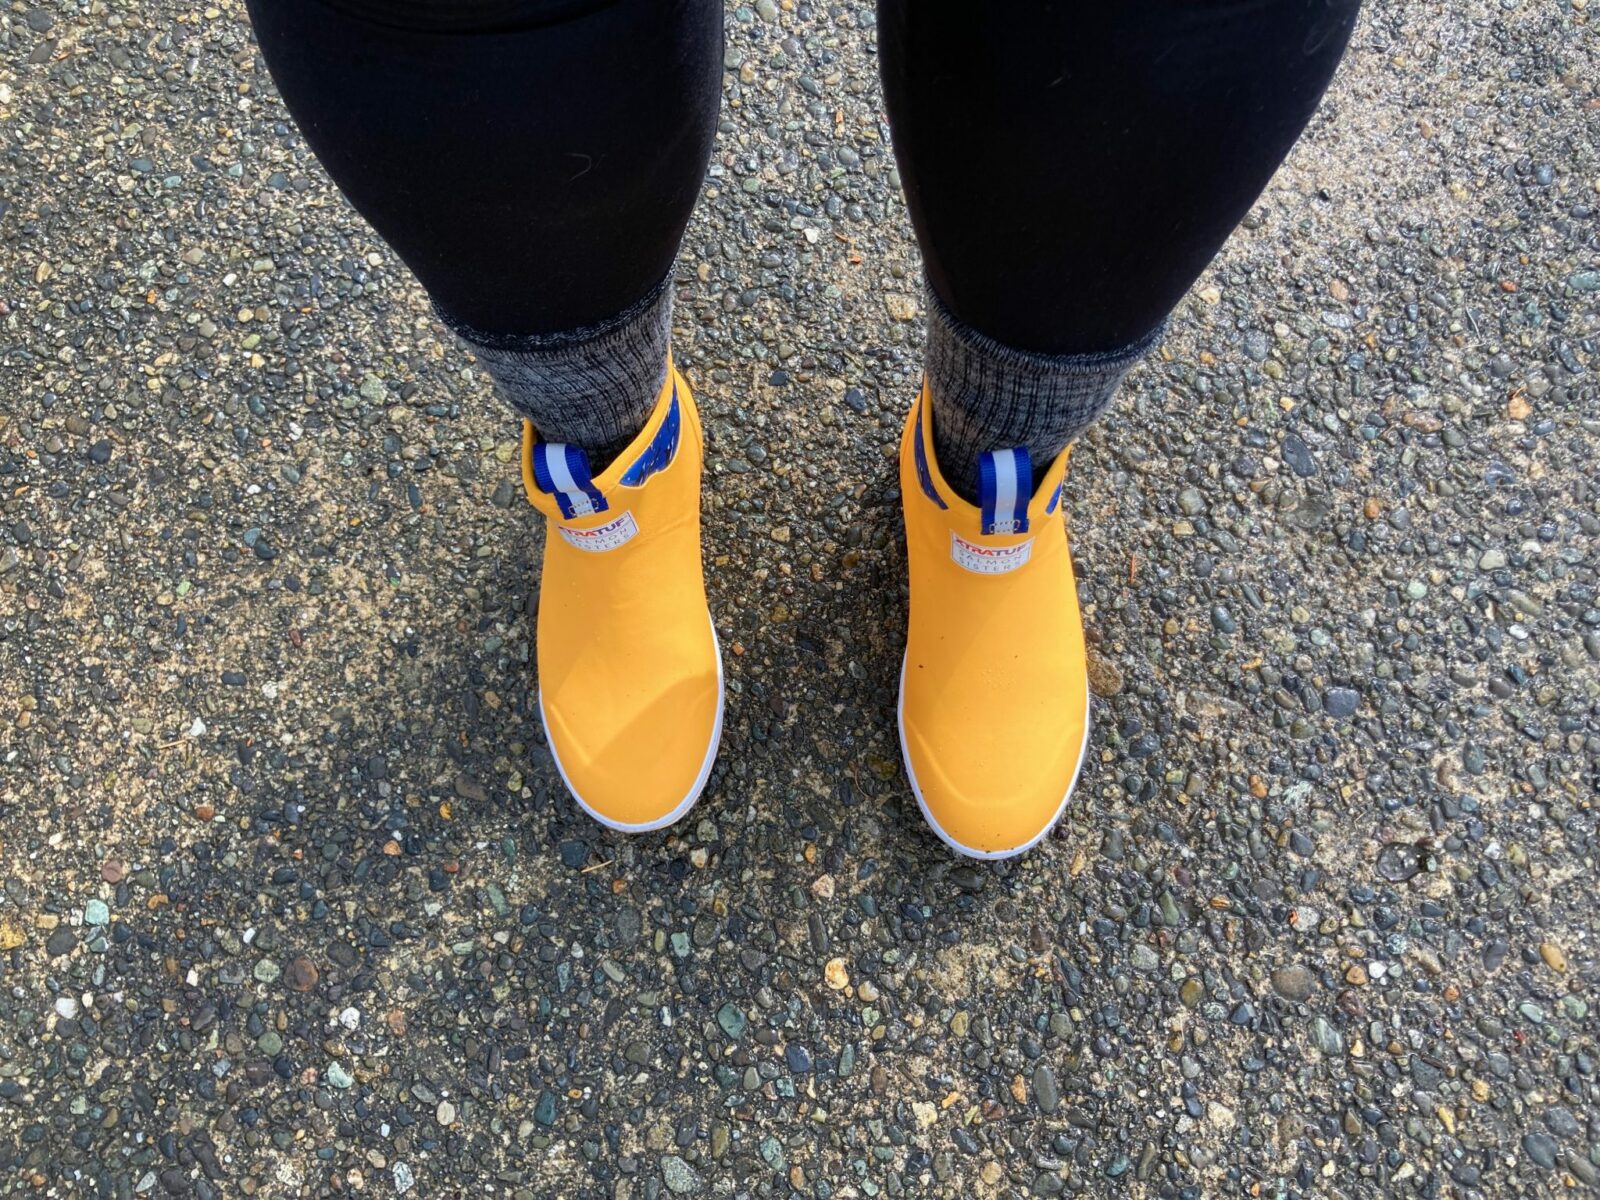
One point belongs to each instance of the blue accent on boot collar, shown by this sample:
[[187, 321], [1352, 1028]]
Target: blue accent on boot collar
[[658, 455], [919, 455]]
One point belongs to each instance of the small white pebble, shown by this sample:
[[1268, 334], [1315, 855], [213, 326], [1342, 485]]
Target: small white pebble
[[350, 1018], [67, 1007]]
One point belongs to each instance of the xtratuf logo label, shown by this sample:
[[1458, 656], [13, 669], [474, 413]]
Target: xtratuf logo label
[[605, 537], [989, 560]]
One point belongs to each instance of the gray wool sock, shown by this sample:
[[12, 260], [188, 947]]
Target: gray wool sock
[[594, 387], [989, 396]]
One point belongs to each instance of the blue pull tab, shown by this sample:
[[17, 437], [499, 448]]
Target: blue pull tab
[[562, 470], [1005, 477]]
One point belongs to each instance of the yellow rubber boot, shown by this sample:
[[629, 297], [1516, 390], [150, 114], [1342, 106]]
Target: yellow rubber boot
[[630, 677], [994, 697]]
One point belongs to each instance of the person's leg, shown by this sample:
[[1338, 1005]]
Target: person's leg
[[1070, 170], [534, 162]]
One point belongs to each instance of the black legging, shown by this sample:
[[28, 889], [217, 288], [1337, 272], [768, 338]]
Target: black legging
[[1070, 167]]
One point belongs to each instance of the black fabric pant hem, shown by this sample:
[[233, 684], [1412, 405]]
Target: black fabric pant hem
[[565, 339]]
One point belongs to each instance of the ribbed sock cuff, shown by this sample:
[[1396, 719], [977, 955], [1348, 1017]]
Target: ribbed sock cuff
[[990, 396], [594, 387]]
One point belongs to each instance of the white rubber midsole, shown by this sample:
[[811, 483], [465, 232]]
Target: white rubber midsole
[[1012, 851], [699, 781]]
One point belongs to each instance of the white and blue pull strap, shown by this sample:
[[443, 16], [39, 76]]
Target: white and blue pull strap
[[1005, 477], [562, 470]]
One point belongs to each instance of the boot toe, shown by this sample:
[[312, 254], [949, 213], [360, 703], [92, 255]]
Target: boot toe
[[646, 770], [992, 796]]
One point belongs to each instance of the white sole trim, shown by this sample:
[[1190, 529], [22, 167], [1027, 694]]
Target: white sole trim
[[699, 782], [1012, 851]]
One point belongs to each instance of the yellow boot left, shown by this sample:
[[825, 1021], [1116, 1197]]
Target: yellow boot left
[[994, 696], [630, 677]]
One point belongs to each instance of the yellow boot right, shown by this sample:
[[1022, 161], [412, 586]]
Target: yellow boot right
[[994, 697], [630, 676]]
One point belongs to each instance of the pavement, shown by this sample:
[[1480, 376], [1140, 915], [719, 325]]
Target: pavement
[[293, 902]]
